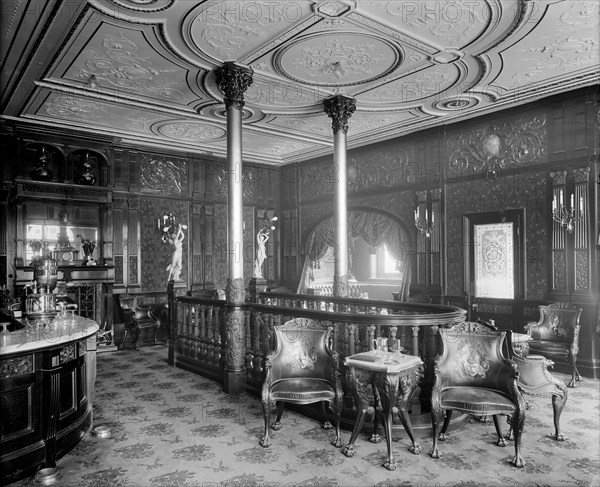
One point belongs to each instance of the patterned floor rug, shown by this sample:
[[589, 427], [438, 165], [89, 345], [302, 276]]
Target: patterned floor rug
[[170, 427]]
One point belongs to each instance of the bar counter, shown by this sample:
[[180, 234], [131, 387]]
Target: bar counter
[[47, 375]]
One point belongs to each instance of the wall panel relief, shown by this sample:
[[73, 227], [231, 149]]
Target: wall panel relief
[[517, 142], [118, 259], [216, 182], [165, 175], [378, 168], [317, 180], [155, 255], [220, 246]]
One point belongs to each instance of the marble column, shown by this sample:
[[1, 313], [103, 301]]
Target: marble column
[[233, 80], [340, 109]]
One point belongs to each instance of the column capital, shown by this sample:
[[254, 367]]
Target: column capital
[[340, 108], [233, 81]]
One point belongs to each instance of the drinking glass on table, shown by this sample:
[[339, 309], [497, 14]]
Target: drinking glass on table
[[380, 344], [396, 347]]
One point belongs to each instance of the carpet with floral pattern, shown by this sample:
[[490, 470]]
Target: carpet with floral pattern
[[170, 427]]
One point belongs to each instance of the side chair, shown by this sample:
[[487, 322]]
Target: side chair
[[535, 379], [138, 317], [473, 376], [556, 334], [303, 369]]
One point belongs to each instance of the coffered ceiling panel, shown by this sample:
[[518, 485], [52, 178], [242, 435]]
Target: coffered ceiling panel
[[143, 70], [565, 47], [437, 24]]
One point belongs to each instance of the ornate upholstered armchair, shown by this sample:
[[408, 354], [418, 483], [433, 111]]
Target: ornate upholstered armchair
[[138, 317], [472, 375], [556, 334], [302, 370]]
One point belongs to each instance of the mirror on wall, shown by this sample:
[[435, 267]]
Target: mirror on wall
[[59, 232], [43, 238]]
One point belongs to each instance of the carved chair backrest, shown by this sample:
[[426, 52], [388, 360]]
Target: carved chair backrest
[[558, 322], [471, 355], [131, 309], [127, 302], [302, 351]]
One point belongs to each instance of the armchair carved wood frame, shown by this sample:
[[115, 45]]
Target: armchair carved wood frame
[[556, 334], [139, 317], [535, 379], [472, 375], [303, 369]]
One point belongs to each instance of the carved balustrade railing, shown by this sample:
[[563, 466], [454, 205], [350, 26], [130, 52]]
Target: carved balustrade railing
[[198, 335], [331, 303], [199, 331]]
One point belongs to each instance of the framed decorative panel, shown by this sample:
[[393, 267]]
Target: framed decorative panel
[[495, 245], [494, 257]]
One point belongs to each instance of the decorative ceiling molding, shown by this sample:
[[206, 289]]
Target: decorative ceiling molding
[[144, 70]]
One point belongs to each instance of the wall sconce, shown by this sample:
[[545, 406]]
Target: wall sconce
[[167, 227], [564, 216], [425, 226]]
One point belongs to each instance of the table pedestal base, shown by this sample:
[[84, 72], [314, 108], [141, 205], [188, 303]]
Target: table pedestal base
[[390, 386]]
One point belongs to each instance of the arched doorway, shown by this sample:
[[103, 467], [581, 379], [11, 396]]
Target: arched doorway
[[379, 260]]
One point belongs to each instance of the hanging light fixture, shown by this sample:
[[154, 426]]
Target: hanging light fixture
[[424, 225]]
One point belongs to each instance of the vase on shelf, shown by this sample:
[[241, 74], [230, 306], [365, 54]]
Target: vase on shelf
[[85, 175], [88, 251], [42, 172]]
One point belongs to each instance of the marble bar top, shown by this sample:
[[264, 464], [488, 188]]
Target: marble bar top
[[35, 336]]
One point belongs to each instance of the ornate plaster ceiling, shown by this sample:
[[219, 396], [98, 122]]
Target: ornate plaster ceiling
[[143, 70]]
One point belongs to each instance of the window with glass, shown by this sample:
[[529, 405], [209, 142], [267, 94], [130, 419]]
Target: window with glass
[[386, 266]]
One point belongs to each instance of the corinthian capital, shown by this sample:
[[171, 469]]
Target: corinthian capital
[[233, 81], [340, 108]]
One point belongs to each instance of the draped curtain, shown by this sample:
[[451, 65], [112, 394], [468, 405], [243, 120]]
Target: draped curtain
[[376, 230]]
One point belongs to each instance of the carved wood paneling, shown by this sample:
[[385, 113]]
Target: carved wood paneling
[[155, 255], [383, 167], [17, 412], [521, 191], [118, 259], [494, 308], [217, 182], [559, 270], [164, 175], [220, 246], [518, 141], [12, 367]]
